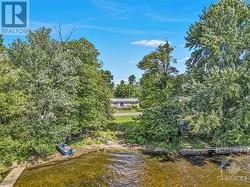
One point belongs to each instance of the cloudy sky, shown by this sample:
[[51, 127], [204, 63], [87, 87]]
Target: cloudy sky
[[122, 30]]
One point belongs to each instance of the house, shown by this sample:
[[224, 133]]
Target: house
[[125, 102]]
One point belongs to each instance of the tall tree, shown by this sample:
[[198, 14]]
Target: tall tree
[[51, 87], [49, 91], [94, 86], [220, 74], [14, 109], [156, 81], [108, 77], [121, 90], [132, 79], [220, 38], [129, 90], [160, 87]]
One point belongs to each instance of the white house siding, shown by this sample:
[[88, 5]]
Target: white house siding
[[124, 102]]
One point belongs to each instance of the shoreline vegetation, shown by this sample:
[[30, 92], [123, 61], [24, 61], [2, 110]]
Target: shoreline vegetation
[[115, 138], [55, 91]]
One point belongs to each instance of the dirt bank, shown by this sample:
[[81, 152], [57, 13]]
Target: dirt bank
[[57, 157], [151, 150]]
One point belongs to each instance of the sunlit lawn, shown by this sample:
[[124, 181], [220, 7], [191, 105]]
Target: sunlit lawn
[[122, 119], [128, 110]]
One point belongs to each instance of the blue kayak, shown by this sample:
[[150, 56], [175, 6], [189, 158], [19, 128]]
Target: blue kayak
[[65, 149]]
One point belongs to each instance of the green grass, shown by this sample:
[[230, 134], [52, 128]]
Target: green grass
[[122, 119], [96, 138], [133, 132], [110, 133], [130, 129], [128, 110]]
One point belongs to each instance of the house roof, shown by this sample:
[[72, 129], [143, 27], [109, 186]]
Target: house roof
[[125, 99]]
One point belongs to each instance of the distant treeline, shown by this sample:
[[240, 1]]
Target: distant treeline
[[127, 90]]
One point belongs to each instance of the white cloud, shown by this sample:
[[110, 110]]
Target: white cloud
[[133, 62], [149, 43]]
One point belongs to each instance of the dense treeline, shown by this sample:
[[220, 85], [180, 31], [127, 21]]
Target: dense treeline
[[132, 89], [213, 96], [50, 91]]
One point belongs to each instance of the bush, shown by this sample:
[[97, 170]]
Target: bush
[[134, 132], [160, 123]]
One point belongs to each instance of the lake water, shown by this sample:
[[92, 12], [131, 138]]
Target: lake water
[[119, 168]]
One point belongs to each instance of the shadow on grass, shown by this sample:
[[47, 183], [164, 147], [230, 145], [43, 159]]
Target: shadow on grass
[[129, 129]]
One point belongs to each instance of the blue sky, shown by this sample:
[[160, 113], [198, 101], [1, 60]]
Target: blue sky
[[122, 30]]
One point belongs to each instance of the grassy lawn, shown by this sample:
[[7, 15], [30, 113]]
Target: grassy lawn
[[96, 138], [132, 130], [129, 129], [110, 133], [128, 110], [122, 119]]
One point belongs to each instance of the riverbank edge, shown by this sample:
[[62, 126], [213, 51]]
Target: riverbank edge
[[33, 162], [110, 146], [172, 155]]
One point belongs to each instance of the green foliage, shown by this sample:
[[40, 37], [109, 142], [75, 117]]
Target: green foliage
[[132, 79], [219, 69], [134, 133], [156, 82], [8, 145], [160, 87], [213, 96], [220, 38], [131, 129], [13, 111], [12, 97], [51, 86], [221, 107], [160, 123], [108, 77], [121, 119], [49, 92], [93, 88], [129, 90], [189, 142], [1, 43], [53, 91], [95, 137]]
